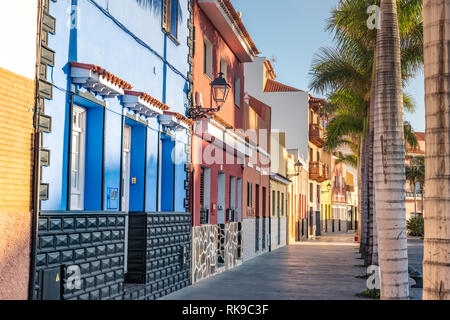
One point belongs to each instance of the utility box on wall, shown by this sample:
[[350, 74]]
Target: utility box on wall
[[52, 283], [113, 198]]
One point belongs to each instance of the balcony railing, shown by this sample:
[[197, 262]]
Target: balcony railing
[[350, 188], [316, 135], [318, 171], [411, 194]]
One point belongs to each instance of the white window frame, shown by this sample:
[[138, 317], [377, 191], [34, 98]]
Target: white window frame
[[207, 58], [79, 130], [237, 92], [223, 67]]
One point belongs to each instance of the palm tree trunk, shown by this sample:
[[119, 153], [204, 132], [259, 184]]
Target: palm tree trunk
[[372, 211], [372, 252], [421, 200], [370, 195], [415, 199], [389, 168], [358, 226], [436, 266], [364, 199]]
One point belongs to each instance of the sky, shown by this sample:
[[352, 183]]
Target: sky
[[293, 31]]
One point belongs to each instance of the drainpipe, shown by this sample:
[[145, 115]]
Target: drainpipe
[[36, 157]]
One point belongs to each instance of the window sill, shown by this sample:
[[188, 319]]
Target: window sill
[[170, 36]]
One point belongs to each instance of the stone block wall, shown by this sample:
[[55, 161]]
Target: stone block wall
[[204, 252]]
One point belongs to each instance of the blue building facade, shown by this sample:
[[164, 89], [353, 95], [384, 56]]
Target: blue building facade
[[114, 87]]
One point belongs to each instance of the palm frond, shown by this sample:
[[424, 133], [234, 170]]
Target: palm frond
[[410, 137], [336, 69], [350, 159], [342, 126], [408, 103]]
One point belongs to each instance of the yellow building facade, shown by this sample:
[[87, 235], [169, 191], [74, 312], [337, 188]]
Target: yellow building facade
[[326, 198], [18, 19], [16, 159]]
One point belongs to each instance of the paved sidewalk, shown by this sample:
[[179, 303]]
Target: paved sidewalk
[[321, 269], [415, 260]]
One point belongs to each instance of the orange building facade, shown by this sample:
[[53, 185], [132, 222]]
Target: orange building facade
[[219, 146]]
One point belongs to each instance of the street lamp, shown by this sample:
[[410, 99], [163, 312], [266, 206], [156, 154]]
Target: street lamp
[[220, 89], [219, 93], [298, 169]]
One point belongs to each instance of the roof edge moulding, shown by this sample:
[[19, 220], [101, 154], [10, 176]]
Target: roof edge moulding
[[229, 24], [175, 121], [98, 80], [143, 104]]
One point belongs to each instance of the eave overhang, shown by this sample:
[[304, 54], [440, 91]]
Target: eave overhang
[[175, 121], [214, 131], [97, 80], [143, 104], [234, 37], [279, 178]]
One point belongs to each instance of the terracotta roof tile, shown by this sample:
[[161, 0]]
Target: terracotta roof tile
[[109, 76], [316, 103], [180, 117], [270, 68], [416, 151], [275, 86], [420, 136], [149, 99], [222, 122], [234, 16]]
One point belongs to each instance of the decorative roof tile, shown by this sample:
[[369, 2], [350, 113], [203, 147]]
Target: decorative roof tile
[[149, 99], [275, 86], [316, 103], [180, 117], [105, 74], [236, 19]]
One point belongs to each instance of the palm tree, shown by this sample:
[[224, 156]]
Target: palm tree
[[346, 127], [389, 159], [352, 67], [415, 173], [436, 267]]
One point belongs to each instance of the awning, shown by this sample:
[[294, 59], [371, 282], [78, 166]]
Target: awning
[[349, 182]]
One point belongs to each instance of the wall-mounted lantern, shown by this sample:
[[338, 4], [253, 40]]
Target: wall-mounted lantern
[[298, 169], [219, 93], [220, 89]]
